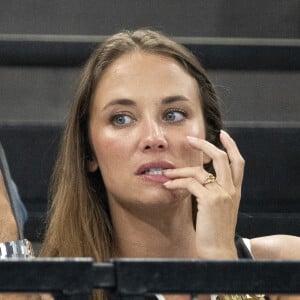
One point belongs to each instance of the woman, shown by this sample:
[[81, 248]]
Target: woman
[[78, 175], [145, 169]]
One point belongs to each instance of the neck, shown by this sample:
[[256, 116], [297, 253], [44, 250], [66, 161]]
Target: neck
[[156, 231]]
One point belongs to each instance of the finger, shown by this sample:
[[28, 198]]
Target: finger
[[219, 159], [190, 184], [237, 162], [195, 172], [190, 171], [209, 191]]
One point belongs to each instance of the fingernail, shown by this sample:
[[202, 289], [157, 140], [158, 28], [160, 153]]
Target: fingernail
[[166, 184], [224, 132], [166, 171], [192, 138]]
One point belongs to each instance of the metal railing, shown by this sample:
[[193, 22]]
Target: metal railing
[[133, 278]]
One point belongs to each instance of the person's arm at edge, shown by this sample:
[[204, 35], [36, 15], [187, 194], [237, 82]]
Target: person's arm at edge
[[9, 232], [8, 225], [277, 247]]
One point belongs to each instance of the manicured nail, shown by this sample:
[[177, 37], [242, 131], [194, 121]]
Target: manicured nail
[[166, 184], [224, 132], [166, 171], [192, 139]]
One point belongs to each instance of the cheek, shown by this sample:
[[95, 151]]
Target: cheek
[[191, 156], [197, 130], [110, 149]]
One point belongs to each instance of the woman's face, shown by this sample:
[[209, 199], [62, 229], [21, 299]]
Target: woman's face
[[143, 108]]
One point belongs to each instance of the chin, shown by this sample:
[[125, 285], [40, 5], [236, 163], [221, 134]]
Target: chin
[[164, 196]]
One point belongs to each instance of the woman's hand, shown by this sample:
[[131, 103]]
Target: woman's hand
[[218, 201], [8, 225]]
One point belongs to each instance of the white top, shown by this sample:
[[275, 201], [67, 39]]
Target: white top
[[248, 245]]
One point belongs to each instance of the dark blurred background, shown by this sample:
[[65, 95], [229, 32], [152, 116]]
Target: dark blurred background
[[43, 94]]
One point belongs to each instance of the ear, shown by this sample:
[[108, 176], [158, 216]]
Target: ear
[[92, 164]]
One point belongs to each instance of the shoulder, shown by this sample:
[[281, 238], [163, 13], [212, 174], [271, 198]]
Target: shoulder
[[286, 247]]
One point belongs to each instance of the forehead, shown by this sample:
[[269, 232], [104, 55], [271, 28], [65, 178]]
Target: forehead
[[139, 74]]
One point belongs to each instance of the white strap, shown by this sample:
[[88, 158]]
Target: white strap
[[247, 243]]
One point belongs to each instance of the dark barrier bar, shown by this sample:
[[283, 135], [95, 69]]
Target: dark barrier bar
[[104, 276], [136, 277], [215, 53], [133, 278], [66, 278]]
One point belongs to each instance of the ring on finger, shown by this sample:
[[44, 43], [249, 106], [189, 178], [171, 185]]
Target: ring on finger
[[210, 178]]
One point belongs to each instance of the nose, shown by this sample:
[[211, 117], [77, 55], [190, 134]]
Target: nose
[[153, 137]]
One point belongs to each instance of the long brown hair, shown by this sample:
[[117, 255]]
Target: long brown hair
[[79, 221]]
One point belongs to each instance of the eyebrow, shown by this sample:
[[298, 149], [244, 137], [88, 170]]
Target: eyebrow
[[128, 102], [172, 99]]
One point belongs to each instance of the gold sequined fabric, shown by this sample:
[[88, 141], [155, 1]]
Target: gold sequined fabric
[[241, 297]]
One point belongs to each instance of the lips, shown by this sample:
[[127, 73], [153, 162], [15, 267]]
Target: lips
[[154, 168]]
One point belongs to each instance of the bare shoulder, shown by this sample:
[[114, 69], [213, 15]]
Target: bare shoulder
[[276, 247]]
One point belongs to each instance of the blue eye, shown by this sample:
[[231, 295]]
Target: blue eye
[[174, 116], [121, 119]]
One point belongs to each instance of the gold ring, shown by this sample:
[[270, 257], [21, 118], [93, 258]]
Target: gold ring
[[210, 178]]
